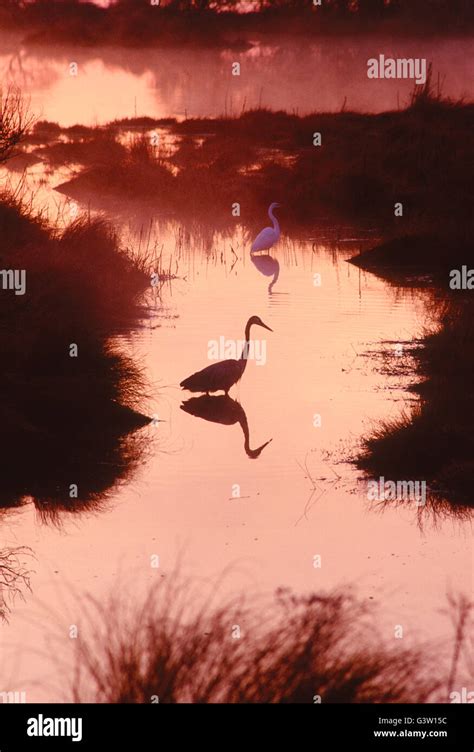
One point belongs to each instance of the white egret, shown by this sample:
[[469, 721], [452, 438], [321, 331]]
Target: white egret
[[269, 235], [226, 373]]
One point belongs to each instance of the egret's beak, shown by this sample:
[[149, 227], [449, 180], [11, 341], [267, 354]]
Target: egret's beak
[[266, 327]]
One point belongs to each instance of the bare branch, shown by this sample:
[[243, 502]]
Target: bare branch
[[15, 121], [14, 576]]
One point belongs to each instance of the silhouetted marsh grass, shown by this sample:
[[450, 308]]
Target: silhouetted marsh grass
[[68, 420], [171, 650], [101, 147], [366, 164], [78, 279], [435, 440]]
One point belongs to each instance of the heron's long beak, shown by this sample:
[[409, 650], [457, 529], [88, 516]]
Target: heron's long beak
[[266, 327]]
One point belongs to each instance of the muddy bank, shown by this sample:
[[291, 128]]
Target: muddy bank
[[420, 259]]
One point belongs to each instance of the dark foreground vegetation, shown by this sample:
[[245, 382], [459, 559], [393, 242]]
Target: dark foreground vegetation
[[435, 441], [177, 647], [217, 22], [69, 400], [318, 648]]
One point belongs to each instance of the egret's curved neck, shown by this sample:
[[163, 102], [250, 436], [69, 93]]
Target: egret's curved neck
[[245, 351], [276, 226], [275, 277]]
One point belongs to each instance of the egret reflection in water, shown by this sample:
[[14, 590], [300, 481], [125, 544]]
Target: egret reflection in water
[[266, 265], [265, 239], [226, 411]]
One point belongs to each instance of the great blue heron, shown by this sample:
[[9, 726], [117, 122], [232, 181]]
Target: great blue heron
[[226, 373], [226, 411], [269, 235]]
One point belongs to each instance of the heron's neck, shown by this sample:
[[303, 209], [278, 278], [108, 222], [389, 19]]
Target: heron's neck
[[276, 226], [245, 430], [245, 351], [252, 453]]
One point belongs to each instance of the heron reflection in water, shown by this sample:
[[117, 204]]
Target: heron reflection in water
[[226, 411]]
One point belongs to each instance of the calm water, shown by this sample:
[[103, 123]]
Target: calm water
[[332, 353], [323, 357], [112, 83]]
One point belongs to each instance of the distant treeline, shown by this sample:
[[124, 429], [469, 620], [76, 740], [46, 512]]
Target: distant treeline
[[376, 7], [141, 22]]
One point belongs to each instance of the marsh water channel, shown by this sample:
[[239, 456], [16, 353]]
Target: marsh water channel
[[339, 350]]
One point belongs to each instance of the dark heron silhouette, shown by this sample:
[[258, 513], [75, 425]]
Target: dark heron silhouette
[[226, 411], [226, 373]]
